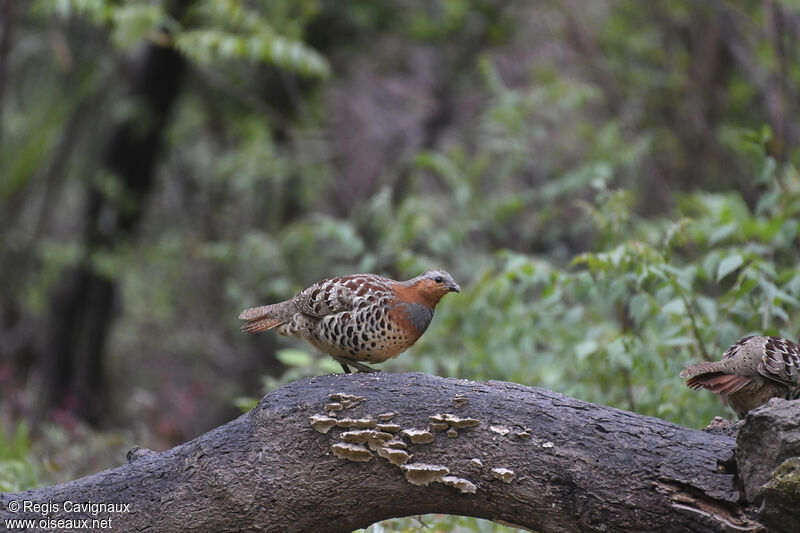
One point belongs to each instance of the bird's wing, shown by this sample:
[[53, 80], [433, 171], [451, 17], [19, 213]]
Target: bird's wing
[[781, 361], [734, 348], [338, 295], [709, 367]]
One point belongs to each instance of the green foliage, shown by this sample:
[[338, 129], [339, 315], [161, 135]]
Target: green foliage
[[300, 364], [618, 326], [56, 455], [214, 30], [613, 325], [425, 523], [16, 472], [601, 182]]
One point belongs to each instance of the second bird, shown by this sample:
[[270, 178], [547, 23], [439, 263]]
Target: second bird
[[362, 317], [752, 370]]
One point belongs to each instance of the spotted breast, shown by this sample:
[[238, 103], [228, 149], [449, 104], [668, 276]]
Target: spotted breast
[[361, 317]]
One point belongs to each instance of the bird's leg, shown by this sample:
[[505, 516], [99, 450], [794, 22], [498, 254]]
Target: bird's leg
[[362, 368], [346, 363]]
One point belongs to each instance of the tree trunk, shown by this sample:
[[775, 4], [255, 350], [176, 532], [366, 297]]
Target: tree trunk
[[82, 306], [492, 450]]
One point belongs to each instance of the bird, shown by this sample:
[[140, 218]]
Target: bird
[[753, 370], [357, 318]]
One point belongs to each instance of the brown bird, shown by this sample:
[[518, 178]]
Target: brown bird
[[751, 371], [362, 317]]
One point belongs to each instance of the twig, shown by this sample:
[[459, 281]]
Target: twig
[[692, 321]]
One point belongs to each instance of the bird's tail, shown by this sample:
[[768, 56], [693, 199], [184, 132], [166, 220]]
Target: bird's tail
[[710, 376], [262, 318]]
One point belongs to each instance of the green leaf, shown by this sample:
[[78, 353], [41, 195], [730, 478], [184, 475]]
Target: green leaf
[[722, 232], [133, 22], [294, 358], [728, 265], [328, 365], [585, 349], [207, 45], [767, 171], [245, 403], [767, 201], [674, 307], [640, 308], [683, 340], [98, 11]]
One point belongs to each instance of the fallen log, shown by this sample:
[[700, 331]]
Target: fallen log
[[340, 452]]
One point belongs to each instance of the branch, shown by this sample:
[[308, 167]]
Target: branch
[[496, 450]]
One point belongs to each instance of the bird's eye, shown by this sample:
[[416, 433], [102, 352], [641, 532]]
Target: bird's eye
[[438, 279]]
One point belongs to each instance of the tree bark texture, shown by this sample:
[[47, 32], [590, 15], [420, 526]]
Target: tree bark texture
[[768, 459], [495, 450]]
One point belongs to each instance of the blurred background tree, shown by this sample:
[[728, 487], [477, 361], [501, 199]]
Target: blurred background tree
[[614, 185]]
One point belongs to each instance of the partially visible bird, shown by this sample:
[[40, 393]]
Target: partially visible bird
[[751, 371], [362, 317]]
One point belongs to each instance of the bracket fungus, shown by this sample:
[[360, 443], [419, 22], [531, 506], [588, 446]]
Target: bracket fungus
[[452, 423], [501, 430], [460, 400], [394, 455], [375, 439], [504, 474], [463, 485], [346, 400], [322, 423], [397, 443], [419, 436], [423, 474], [351, 451], [363, 423], [333, 407], [524, 435]]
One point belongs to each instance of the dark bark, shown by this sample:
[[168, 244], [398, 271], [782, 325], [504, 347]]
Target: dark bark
[[576, 466], [768, 455], [5, 48], [82, 308]]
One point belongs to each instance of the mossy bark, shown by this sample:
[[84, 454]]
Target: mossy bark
[[768, 454]]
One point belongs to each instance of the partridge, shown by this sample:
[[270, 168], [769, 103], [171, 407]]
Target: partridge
[[362, 317], [751, 371]]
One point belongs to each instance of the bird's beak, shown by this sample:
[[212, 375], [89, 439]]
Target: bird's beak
[[455, 288]]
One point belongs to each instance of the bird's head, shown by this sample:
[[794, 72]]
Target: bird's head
[[434, 284]]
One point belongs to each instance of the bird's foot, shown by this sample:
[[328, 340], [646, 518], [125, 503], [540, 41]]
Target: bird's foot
[[347, 363]]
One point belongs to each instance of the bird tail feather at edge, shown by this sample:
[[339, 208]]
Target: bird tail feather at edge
[[718, 383], [706, 367], [262, 311], [261, 324]]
